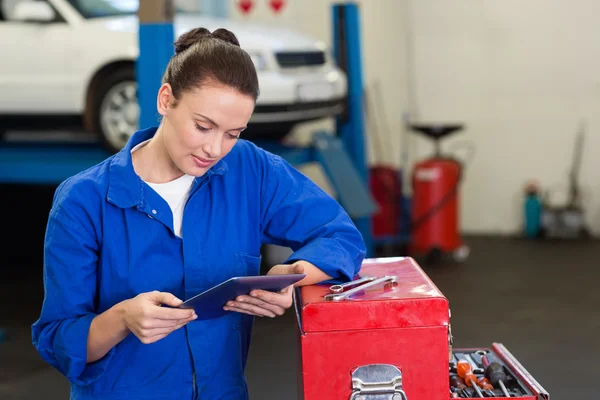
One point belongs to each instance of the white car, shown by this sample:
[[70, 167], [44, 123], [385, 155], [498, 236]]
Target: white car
[[65, 59]]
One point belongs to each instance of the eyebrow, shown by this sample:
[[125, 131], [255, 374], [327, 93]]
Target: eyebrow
[[217, 125]]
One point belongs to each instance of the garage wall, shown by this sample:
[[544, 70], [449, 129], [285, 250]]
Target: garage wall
[[520, 75]]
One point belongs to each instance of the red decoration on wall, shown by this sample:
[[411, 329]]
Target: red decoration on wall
[[245, 5], [276, 5]]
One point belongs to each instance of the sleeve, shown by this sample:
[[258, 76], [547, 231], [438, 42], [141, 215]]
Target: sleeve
[[296, 213], [70, 263]]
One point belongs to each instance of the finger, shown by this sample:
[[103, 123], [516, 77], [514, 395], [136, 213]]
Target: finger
[[288, 290], [244, 311], [249, 309], [171, 313], [282, 269], [241, 311], [165, 298], [164, 323], [283, 299], [275, 308], [153, 339], [298, 268], [153, 332]]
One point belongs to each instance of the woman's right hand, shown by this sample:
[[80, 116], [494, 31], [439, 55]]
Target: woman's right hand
[[146, 319]]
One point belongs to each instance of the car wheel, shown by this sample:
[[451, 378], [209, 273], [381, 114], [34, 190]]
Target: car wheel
[[116, 108]]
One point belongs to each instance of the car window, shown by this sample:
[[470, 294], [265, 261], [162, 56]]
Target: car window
[[104, 8], [112, 8], [7, 8]]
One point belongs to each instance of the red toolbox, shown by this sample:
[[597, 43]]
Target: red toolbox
[[388, 338]]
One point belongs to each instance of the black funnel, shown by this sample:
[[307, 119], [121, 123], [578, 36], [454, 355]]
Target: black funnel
[[436, 131]]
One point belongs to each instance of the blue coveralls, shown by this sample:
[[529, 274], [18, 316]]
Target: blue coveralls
[[110, 237]]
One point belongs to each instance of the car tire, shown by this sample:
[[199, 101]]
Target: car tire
[[115, 108]]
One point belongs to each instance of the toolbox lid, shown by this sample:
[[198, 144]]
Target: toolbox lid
[[413, 301]]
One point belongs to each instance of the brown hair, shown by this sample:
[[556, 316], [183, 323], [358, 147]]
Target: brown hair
[[202, 57]]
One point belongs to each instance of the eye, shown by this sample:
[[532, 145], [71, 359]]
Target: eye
[[202, 128], [233, 137]]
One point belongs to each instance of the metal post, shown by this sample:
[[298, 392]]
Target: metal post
[[156, 36], [351, 126]]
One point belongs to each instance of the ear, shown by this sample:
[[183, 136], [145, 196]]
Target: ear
[[165, 99]]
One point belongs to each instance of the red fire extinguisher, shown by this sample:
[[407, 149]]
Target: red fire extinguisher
[[435, 201]]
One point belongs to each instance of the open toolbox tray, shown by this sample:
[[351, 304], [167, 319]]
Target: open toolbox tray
[[519, 383]]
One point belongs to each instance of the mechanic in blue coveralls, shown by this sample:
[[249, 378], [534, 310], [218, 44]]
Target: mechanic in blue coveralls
[[181, 208]]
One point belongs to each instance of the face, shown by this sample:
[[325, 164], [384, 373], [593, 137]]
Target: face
[[203, 126]]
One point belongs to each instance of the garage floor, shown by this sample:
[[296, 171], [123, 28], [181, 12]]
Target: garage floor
[[540, 299]]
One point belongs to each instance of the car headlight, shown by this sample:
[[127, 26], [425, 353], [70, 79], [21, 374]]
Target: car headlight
[[259, 60]]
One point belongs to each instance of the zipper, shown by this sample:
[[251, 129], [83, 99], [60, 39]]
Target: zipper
[[194, 385], [196, 187]]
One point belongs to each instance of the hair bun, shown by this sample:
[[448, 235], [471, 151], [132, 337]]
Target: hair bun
[[188, 39], [226, 36]]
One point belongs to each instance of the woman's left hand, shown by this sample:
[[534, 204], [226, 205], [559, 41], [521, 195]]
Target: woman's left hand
[[262, 303]]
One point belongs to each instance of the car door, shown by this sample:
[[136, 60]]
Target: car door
[[33, 65]]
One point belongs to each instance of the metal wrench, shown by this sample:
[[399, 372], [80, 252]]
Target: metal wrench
[[342, 296], [344, 286]]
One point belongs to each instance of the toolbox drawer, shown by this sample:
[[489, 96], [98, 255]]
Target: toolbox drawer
[[519, 383]]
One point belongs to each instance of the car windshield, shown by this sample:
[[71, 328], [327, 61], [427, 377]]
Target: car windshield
[[112, 8]]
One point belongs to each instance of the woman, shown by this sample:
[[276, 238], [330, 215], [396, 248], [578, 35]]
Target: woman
[[181, 208]]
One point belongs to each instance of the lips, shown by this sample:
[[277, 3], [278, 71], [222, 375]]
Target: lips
[[202, 162]]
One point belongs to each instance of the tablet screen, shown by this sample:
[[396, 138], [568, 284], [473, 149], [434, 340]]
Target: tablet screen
[[209, 304]]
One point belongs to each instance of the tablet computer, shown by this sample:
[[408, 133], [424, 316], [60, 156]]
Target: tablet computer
[[209, 304]]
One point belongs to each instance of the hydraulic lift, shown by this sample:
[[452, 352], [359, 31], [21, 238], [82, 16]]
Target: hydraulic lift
[[341, 154]]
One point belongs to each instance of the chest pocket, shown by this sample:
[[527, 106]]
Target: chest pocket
[[247, 265]]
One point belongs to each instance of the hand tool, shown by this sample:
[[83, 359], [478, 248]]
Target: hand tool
[[344, 286], [345, 295], [465, 357], [466, 372], [484, 383], [495, 373], [457, 382], [476, 368], [477, 358], [452, 363], [489, 358], [467, 393]]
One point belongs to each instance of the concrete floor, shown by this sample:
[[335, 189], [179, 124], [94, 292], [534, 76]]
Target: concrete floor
[[540, 299]]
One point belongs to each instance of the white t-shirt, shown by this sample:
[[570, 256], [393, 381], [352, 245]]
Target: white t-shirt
[[175, 194]]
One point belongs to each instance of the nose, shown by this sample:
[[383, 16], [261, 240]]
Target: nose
[[212, 147]]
